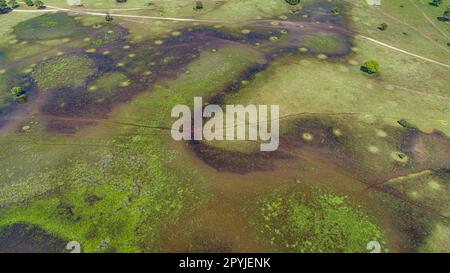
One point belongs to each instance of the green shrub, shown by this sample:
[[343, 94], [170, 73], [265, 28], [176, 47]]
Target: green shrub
[[293, 2], [370, 67], [198, 5]]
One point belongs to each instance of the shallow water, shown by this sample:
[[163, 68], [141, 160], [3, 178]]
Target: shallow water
[[21, 238]]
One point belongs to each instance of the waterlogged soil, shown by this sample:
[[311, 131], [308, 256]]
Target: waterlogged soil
[[236, 179], [21, 238], [156, 61]]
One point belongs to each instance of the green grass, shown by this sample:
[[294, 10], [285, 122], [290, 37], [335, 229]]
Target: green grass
[[63, 71], [47, 26], [126, 184], [108, 85], [366, 104], [137, 180], [317, 222], [430, 189], [323, 43]]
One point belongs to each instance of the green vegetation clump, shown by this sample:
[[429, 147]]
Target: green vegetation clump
[[446, 15], [63, 71], [293, 2], [108, 17], [4, 7], [198, 5], [39, 4], [17, 90], [20, 95], [370, 67], [13, 4], [318, 222], [436, 3], [383, 26], [335, 11]]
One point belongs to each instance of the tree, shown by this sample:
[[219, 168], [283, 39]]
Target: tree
[[335, 11], [17, 91], [29, 3], [39, 4], [4, 8], [446, 14], [13, 4], [20, 95], [436, 3], [198, 5], [293, 2], [383, 26], [370, 67], [108, 17]]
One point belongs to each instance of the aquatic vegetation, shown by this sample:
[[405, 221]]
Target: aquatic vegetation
[[63, 71], [319, 221], [89, 157]]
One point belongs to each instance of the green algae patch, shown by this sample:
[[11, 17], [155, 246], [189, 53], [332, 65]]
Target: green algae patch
[[63, 71], [319, 221], [48, 26]]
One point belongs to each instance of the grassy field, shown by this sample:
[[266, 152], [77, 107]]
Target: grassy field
[[89, 156]]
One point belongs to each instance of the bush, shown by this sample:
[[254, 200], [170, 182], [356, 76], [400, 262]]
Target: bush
[[4, 8], [335, 11], [198, 5], [293, 2], [13, 4], [446, 14], [39, 4], [383, 26], [371, 67], [17, 91], [436, 3]]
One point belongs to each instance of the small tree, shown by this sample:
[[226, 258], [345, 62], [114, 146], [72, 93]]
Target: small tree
[[17, 91], [108, 17], [335, 11], [436, 3], [29, 3], [13, 4], [198, 5], [370, 67], [293, 2], [446, 14], [383, 26], [39, 4], [4, 8]]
